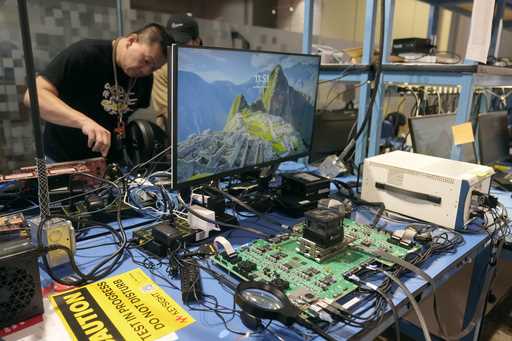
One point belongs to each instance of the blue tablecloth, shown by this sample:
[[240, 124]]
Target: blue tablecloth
[[209, 326]]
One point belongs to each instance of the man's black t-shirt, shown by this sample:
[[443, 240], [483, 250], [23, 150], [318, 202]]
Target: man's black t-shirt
[[84, 77]]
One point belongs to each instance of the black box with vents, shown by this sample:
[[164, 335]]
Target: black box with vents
[[20, 286], [167, 235], [306, 185]]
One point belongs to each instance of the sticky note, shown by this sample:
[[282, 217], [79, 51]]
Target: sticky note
[[463, 133]]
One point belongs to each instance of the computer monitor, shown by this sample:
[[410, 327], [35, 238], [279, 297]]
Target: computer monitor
[[237, 110], [331, 131], [432, 135], [493, 139]]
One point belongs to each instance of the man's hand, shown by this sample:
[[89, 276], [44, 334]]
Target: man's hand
[[56, 111], [98, 137]]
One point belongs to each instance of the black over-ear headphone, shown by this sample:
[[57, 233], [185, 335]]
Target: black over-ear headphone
[[144, 139]]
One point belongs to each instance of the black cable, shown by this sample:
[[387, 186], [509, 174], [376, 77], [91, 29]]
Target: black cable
[[341, 76], [439, 244], [411, 267], [358, 201], [390, 303], [247, 207], [412, 300], [208, 220], [151, 267], [378, 71], [123, 177], [316, 329], [358, 85], [341, 184], [97, 272], [68, 198], [217, 309], [95, 246]]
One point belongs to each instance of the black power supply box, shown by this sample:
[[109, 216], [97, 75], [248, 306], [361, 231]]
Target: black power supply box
[[300, 192], [161, 238], [306, 185], [167, 235], [411, 45], [214, 202]]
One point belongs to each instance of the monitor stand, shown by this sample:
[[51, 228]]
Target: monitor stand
[[254, 188]]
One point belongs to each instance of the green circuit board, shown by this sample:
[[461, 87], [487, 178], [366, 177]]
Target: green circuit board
[[278, 261]]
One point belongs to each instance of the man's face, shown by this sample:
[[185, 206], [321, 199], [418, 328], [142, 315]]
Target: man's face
[[194, 42], [142, 59]]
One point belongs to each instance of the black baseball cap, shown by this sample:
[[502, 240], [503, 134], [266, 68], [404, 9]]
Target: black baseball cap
[[182, 28]]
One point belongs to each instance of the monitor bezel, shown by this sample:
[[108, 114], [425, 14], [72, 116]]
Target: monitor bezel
[[490, 115], [411, 121], [173, 53]]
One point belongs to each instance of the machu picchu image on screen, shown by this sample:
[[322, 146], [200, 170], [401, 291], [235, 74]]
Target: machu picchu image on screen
[[225, 125]]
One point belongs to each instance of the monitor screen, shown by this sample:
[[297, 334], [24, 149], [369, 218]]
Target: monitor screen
[[233, 110], [331, 131], [493, 137], [432, 135]]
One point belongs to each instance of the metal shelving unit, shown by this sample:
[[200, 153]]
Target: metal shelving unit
[[360, 73], [467, 76]]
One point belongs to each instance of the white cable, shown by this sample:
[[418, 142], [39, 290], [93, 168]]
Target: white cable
[[418, 102], [182, 218], [220, 240], [438, 102], [159, 173], [179, 213]]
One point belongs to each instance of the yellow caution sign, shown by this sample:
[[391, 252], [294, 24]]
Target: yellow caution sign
[[129, 306]]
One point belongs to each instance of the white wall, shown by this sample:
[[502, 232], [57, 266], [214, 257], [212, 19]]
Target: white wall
[[411, 19], [343, 19], [235, 11], [460, 35], [294, 21], [340, 23]]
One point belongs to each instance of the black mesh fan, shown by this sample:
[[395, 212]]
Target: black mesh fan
[[16, 290], [20, 287]]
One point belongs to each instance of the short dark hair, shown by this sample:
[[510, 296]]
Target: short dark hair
[[155, 33]]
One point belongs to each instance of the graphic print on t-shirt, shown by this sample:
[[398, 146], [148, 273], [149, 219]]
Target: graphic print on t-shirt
[[116, 100]]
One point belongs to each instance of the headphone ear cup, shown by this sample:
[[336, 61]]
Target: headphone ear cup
[[149, 138], [251, 322], [402, 120], [159, 138], [396, 119], [140, 136]]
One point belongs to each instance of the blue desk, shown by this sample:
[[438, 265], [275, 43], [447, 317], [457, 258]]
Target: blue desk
[[208, 325]]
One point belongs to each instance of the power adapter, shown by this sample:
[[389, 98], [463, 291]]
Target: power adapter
[[199, 224]]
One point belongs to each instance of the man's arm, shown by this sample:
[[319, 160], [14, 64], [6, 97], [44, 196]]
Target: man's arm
[[56, 111]]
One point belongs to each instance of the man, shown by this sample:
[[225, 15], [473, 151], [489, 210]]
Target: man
[[89, 89], [185, 31]]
